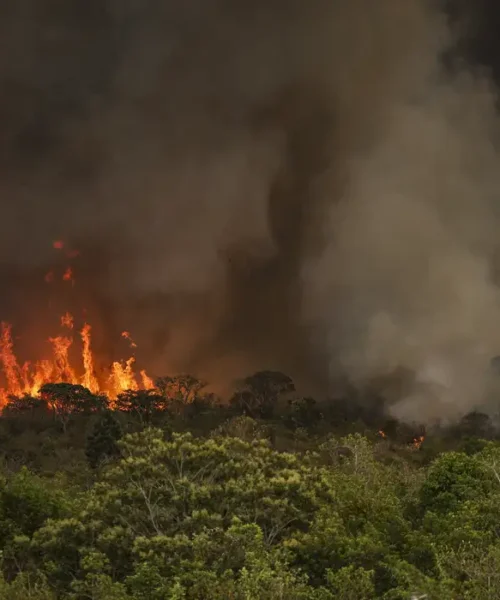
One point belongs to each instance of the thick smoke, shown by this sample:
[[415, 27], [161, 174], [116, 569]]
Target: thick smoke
[[406, 277], [296, 185]]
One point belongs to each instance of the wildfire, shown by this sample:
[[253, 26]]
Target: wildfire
[[418, 441], [89, 378], [382, 434], [28, 378], [126, 336], [67, 321]]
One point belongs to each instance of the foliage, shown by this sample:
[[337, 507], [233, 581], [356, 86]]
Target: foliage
[[102, 441], [187, 498]]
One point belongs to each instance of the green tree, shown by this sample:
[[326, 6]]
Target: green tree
[[351, 583], [102, 441], [26, 586], [173, 502], [27, 501], [453, 478]]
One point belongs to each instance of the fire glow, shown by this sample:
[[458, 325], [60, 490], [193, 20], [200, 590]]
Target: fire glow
[[26, 379]]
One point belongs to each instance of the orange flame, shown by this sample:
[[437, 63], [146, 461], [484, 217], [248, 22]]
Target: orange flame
[[10, 366], [64, 371], [67, 321], [89, 378], [30, 377], [122, 376], [418, 441], [147, 382], [126, 336], [382, 434]]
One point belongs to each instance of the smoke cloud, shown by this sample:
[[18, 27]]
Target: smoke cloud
[[302, 186]]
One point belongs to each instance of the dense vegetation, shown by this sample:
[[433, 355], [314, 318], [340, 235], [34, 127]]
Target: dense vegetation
[[172, 494]]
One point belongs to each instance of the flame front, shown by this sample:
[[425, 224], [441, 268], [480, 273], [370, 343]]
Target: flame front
[[30, 377]]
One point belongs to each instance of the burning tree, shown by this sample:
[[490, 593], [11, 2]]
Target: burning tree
[[67, 399]]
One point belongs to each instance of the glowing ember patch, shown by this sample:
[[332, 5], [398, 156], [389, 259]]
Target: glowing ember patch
[[73, 253], [418, 441], [68, 274], [58, 245]]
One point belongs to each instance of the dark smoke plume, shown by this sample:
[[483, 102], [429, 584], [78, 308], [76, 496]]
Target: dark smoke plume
[[307, 186]]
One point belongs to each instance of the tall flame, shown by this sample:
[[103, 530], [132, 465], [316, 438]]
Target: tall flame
[[9, 360], [89, 378], [122, 376], [30, 377]]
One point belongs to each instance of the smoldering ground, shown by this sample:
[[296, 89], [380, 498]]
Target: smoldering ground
[[297, 185]]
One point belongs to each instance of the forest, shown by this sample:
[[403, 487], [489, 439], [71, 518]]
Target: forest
[[171, 493]]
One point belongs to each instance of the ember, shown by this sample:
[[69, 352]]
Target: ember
[[68, 274], [418, 441]]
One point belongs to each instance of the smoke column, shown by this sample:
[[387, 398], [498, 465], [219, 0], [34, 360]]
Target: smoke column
[[300, 185]]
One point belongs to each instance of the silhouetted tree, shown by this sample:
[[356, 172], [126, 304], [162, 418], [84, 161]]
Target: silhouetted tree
[[183, 388], [476, 424], [66, 399], [144, 404], [27, 412], [260, 393], [24, 404]]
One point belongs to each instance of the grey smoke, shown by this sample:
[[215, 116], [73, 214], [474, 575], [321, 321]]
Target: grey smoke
[[293, 185]]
